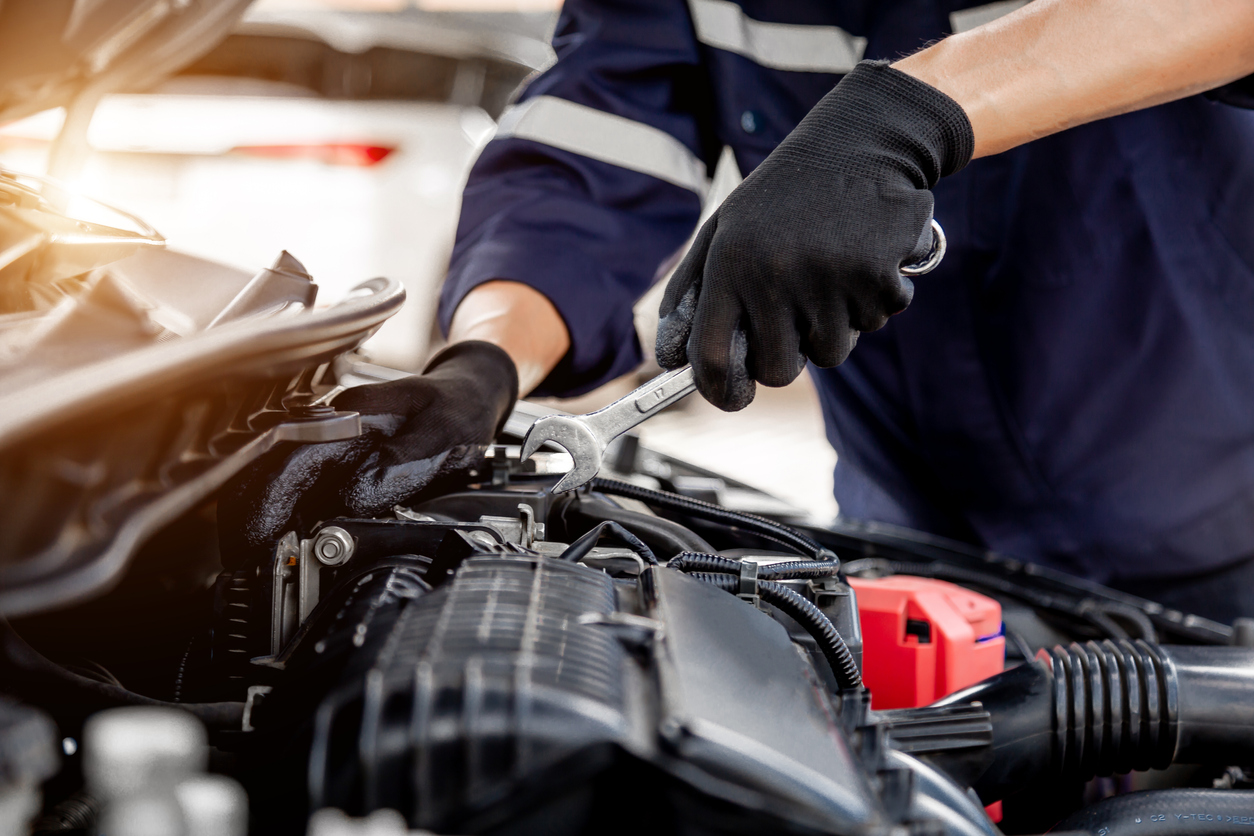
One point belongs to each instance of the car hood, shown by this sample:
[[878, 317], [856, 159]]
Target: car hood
[[135, 381], [53, 52]]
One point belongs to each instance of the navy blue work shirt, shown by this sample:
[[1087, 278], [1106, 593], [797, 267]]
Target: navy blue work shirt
[[1073, 386]]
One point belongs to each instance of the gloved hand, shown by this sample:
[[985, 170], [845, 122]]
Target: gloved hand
[[413, 430], [806, 252]]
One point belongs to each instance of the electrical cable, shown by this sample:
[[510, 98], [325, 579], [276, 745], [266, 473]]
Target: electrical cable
[[1019, 643], [1090, 611], [178, 676], [792, 570], [579, 549], [661, 535], [768, 529], [813, 620], [1114, 610]]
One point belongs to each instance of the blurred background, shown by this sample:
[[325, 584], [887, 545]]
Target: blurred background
[[342, 131]]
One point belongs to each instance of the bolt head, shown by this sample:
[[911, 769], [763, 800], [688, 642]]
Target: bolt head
[[333, 546]]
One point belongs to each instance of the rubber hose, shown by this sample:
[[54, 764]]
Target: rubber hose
[[1176, 812], [768, 529], [1076, 712], [813, 620], [663, 536], [793, 570], [1114, 706]]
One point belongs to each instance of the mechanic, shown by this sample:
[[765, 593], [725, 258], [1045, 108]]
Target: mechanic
[[1072, 386]]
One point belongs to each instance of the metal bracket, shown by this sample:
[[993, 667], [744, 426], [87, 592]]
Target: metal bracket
[[527, 526], [296, 585], [522, 530], [283, 591]]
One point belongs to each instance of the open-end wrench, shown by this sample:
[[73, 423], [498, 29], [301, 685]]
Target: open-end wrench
[[585, 437]]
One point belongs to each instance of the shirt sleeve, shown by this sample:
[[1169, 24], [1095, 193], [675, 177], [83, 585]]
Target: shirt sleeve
[[594, 179]]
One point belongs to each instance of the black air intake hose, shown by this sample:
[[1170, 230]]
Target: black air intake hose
[[1179, 812], [1115, 706], [810, 617], [767, 529]]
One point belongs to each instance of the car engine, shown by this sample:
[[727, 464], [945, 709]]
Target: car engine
[[664, 651], [630, 657]]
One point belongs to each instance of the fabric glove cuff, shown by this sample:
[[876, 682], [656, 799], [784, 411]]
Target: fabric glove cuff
[[915, 114], [486, 367]]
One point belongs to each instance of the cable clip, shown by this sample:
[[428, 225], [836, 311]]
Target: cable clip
[[749, 581]]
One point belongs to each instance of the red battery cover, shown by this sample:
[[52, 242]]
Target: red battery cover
[[923, 639]]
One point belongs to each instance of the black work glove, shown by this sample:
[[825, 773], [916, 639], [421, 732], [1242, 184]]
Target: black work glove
[[807, 251], [413, 430]]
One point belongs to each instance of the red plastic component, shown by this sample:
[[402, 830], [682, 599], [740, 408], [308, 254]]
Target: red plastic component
[[923, 639]]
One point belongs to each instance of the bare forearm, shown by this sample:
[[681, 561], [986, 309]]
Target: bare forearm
[[1055, 64], [520, 320]]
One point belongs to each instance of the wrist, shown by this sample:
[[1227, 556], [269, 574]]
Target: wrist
[[911, 117], [518, 319]]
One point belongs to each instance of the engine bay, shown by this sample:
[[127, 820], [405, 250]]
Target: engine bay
[[497, 658], [663, 650]]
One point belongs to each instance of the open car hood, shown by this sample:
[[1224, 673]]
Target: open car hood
[[135, 381], [55, 51]]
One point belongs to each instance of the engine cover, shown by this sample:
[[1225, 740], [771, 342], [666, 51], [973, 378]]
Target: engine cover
[[490, 678], [529, 689]]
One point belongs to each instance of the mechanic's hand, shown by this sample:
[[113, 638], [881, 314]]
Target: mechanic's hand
[[414, 430], [806, 252]]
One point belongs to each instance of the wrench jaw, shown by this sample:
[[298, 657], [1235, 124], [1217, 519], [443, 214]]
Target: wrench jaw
[[574, 437]]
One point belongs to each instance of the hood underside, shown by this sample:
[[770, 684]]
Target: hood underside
[[135, 381], [53, 52]]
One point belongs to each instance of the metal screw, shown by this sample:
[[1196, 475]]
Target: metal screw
[[333, 546]]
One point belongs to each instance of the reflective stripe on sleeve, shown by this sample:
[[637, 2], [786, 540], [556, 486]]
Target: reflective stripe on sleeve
[[780, 46], [967, 19], [606, 137]]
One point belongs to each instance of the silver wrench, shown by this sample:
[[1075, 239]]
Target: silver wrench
[[585, 437]]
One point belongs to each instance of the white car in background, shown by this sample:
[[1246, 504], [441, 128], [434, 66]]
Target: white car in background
[[343, 137]]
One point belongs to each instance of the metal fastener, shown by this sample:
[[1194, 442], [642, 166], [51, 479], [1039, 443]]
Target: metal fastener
[[333, 546]]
